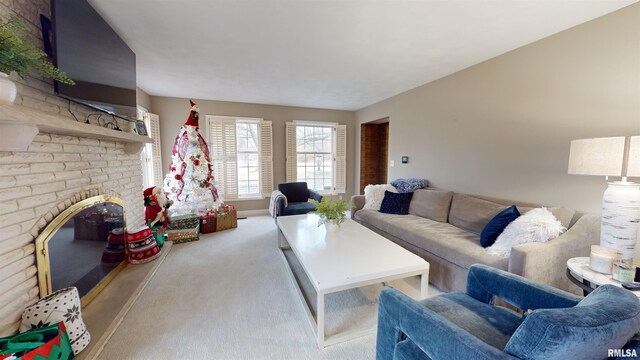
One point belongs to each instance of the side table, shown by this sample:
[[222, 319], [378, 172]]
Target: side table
[[579, 273]]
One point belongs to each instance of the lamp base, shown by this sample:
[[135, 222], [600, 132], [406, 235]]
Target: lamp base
[[621, 218]]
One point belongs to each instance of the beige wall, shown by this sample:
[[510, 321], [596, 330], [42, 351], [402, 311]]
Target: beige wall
[[502, 128], [143, 99], [173, 113]]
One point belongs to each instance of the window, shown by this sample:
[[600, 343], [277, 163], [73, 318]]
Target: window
[[241, 153], [248, 158], [316, 154], [150, 155]]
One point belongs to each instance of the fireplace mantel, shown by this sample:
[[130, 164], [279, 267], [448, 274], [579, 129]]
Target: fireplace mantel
[[25, 123]]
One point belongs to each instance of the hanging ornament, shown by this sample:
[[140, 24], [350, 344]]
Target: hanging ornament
[[196, 162], [178, 177]]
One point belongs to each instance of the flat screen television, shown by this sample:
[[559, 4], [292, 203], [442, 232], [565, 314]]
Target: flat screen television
[[95, 57]]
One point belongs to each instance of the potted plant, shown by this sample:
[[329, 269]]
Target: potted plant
[[18, 53], [331, 212]]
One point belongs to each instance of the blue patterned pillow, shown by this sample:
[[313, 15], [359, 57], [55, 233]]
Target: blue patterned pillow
[[409, 185], [397, 204]]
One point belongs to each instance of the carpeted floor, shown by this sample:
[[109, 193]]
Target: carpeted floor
[[229, 296]]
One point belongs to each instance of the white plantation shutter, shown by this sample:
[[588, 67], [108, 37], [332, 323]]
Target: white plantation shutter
[[230, 159], [292, 158], [340, 158], [216, 150], [266, 158], [156, 158]]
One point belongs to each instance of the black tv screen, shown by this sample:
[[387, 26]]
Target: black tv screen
[[95, 57]]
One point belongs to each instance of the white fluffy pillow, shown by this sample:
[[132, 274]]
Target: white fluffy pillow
[[373, 195], [537, 225]]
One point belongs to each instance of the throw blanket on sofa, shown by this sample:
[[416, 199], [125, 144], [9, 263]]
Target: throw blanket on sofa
[[273, 203], [409, 185]]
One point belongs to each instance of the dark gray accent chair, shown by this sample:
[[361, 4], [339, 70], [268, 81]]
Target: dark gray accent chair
[[298, 195]]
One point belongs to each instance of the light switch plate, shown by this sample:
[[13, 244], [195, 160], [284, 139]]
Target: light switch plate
[[392, 163]]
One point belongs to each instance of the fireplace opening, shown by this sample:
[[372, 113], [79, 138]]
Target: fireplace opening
[[82, 247]]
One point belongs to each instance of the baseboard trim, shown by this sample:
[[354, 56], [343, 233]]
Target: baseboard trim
[[247, 213]]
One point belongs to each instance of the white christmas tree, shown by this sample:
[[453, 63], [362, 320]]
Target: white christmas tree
[[189, 182]]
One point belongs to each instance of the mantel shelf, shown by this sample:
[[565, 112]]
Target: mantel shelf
[[22, 121]]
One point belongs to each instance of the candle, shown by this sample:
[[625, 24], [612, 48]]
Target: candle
[[602, 259]]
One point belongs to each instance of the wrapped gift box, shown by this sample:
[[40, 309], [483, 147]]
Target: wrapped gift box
[[183, 235], [208, 223], [226, 218], [183, 222]]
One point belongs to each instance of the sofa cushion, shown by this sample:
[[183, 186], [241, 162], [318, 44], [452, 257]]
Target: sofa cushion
[[563, 214], [495, 226], [299, 208], [471, 213], [606, 319], [394, 203], [444, 240], [431, 204], [493, 325]]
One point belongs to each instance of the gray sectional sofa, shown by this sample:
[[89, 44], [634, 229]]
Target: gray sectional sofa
[[444, 228]]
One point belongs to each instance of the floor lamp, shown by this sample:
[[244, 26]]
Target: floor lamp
[[617, 157]]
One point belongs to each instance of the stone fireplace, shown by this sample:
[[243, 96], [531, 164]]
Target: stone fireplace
[[66, 164]]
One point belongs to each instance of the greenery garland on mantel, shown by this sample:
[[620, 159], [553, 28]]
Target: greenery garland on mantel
[[18, 53]]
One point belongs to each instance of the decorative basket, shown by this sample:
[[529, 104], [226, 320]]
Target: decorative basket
[[63, 305], [141, 245]]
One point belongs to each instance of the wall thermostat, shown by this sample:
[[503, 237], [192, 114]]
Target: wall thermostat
[[405, 159]]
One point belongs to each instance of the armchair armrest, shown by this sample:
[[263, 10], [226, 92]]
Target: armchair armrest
[[401, 317], [280, 206], [315, 195], [357, 203], [547, 262], [484, 282]]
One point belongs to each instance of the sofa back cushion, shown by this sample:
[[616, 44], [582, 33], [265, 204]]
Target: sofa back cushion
[[471, 213], [431, 204], [563, 214], [606, 319]]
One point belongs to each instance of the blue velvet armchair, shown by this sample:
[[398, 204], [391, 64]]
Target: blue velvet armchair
[[556, 324], [298, 195]]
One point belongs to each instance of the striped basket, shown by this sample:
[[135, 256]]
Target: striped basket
[[141, 245]]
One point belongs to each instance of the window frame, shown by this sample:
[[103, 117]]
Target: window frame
[[264, 155], [259, 194], [332, 153]]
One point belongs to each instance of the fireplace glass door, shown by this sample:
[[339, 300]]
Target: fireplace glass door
[[76, 250]]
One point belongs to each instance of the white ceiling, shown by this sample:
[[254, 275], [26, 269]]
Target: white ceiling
[[325, 54]]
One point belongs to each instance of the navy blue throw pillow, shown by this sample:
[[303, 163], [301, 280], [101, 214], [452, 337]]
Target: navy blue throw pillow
[[494, 228], [397, 204]]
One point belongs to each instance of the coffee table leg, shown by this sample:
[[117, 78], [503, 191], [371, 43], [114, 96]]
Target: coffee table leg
[[424, 285], [282, 242], [320, 319]]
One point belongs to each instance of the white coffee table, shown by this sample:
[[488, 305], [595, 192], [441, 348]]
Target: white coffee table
[[348, 258]]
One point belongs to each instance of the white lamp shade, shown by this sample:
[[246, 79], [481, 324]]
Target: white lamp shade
[[611, 156], [634, 157]]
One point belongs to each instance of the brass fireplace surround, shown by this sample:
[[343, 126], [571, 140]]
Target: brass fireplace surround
[[42, 241]]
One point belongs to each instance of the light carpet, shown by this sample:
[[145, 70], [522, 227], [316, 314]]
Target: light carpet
[[229, 296]]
